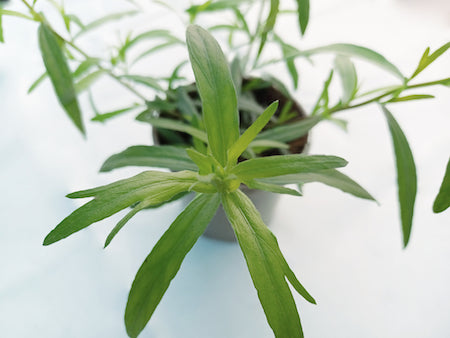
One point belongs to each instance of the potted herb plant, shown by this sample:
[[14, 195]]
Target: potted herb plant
[[213, 172]]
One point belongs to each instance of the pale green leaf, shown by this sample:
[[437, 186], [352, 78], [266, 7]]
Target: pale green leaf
[[216, 89], [164, 261], [59, 73], [285, 164], [144, 80], [410, 98], [2, 39], [255, 184], [37, 82], [406, 174], [15, 14], [86, 82], [152, 186], [169, 157], [249, 135], [442, 200], [349, 80]]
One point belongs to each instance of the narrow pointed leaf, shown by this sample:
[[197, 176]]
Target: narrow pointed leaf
[[249, 135], [285, 164], [411, 98], [427, 59], [303, 14], [203, 162], [266, 265], [164, 261], [144, 80], [270, 23], [406, 174], [155, 187], [292, 131], [60, 75], [330, 177], [349, 80], [216, 89], [86, 82], [359, 52], [442, 200], [37, 82], [169, 157], [255, 184], [15, 13]]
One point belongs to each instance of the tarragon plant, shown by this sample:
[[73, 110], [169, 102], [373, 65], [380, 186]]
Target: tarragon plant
[[215, 176]]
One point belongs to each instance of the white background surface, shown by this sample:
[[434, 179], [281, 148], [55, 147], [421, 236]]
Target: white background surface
[[346, 251]]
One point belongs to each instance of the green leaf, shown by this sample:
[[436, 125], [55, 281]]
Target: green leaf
[[88, 81], [266, 265], [285, 164], [303, 14], [323, 100], [144, 80], [15, 14], [287, 50], [349, 80], [85, 66], [291, 131], [255, 184], [203, 162], [169, 157], [155, 49], [60, 75], [406, 174], [37, 82], [359, 52], [106, 116], [270, 24], [2, 39], [175, 125], [216, 90], [164, 261], [249, 135], [152, 187], [102, 21], [427, 59], [410, 98], [330, 177], [442, 200]]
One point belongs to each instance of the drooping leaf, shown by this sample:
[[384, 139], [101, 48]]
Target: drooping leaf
[[406, 174], [330, 177], [249, 135], [285, 164], [153, 187], [164, 261], [349, 80], [266, 265], [427, 59], [291, 131], [359, 52], [442, 200], [169, 157], [303, 14], [60, 75], [216, 89]]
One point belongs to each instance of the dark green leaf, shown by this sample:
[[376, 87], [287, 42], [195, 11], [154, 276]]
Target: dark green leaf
[[330, 177], [290, 131], [169, 157], [152, 187], [60, 75], [285, 164], [442, 200], [266, 265], [164, 261], [216, 90], [303, 14], [406, 174]]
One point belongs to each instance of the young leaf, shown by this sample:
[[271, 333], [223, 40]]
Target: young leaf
[[164, 261], [284, 165], [427, 59], [37, 82], [169, 157], [203, 162], [249, 135], [406, 174], [216, 90], [59, 73], [410, 98], [349, 80], [330, 177], [152, 186], [266, 265], [442, 200], [290, 131], [360, 52], [303, 14]]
